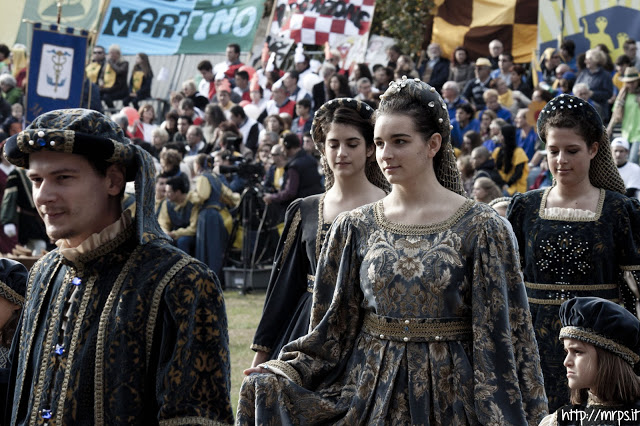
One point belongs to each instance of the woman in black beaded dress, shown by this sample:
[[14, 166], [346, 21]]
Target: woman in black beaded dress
[[579, 237]]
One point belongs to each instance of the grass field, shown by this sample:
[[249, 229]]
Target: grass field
[[243, 313]]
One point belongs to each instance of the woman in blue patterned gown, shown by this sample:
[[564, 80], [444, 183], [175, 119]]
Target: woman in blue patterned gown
[[581, 236], [427, 320], [343, 134]]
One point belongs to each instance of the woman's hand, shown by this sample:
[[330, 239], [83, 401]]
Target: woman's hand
[[259, 358], [256, 370]]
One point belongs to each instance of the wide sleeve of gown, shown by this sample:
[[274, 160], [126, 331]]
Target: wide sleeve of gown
[[516, 215], [288, 282], [320, 356], [508, 378], [324, 351]]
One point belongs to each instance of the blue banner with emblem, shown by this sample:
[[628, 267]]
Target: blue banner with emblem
[[56, 70]]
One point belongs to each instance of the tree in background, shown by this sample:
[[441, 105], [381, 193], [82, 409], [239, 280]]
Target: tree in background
[[407, 21]]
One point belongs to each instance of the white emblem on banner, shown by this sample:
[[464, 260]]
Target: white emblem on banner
[[54, 76]]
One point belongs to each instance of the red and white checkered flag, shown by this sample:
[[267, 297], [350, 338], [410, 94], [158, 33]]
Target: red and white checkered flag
[[320, 22]]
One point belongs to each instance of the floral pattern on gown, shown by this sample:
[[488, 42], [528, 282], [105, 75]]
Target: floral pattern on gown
[[463, 269], [564, 257]]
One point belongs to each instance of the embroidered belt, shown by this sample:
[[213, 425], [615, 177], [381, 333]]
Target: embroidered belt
[[212, 206], [311, 279], [418, 329], [557, 294]]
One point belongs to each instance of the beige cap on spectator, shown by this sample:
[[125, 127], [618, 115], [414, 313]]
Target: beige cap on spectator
[[483, 62], [630, 74]]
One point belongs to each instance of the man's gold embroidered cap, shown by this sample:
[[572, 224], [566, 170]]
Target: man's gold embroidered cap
[[74, 131], [97, 137]]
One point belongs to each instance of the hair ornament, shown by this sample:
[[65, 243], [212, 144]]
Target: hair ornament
[[421, 98], [603, 173], [323, 115]]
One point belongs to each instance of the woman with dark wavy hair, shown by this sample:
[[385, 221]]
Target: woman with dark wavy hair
[[339, 87], [343, 134], [461, 68]]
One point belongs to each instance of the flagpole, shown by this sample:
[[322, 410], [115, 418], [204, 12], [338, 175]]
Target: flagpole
[[273, 11], [104, 6], [102, 13], [59, 5]]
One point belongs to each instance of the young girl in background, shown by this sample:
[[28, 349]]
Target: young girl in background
[[602, 345]]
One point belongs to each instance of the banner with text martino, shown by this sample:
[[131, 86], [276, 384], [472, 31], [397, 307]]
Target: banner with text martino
[[166, 27], [320, 21], [56, 70]]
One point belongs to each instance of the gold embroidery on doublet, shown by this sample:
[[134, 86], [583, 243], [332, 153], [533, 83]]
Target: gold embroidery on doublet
[[100, 341]]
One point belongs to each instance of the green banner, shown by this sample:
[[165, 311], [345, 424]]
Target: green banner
[[80, 14]]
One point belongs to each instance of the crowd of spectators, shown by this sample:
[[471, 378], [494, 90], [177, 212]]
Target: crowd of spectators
[[239, 115]]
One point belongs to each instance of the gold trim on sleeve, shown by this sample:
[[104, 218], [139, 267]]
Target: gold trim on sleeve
[[630, 267], [155, 302], [260, 348], [291, 236], [319, 233], [284, 368]]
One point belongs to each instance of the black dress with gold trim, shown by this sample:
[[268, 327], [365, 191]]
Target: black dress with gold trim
[[287, 307], [428, 324], [125, 334], [567, 253]]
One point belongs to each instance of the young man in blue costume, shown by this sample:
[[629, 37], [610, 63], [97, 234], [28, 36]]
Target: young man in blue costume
[[119, 326]]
